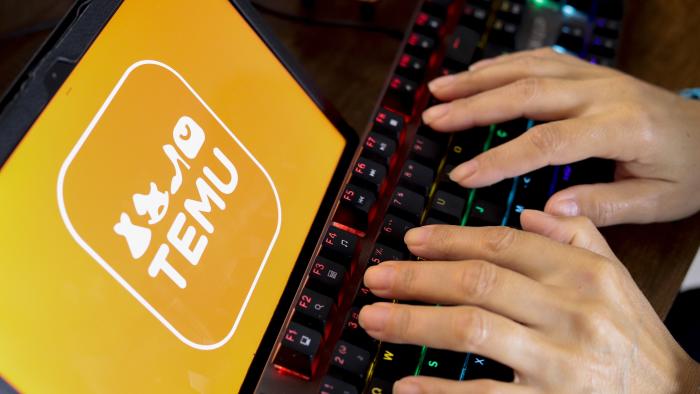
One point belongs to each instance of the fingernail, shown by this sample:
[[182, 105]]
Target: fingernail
[[380, 277], [463, 171], [416, 236], [434, 113], [406, 387], [565, 208], [373, 317], [439, 83]]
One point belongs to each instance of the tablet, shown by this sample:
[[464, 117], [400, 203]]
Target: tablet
[[165, 172]]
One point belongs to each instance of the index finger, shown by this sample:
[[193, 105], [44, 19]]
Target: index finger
[[530, 254]]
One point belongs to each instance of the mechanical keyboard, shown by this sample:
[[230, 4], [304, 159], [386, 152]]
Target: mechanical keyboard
[[400, 181]]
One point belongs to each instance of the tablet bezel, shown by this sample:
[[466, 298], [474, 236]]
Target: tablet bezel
[[27, 97]]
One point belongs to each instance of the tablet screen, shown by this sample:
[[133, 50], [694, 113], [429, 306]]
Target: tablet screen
[[154, 211]]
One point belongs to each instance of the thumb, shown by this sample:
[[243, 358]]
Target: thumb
[[626, 201], [577, 231]]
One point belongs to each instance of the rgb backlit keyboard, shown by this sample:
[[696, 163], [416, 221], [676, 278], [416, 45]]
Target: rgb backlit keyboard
[[400, 182]]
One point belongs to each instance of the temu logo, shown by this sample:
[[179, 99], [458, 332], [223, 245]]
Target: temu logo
[[168, 200]]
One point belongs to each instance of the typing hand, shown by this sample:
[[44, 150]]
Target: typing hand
[[553, 303], [652, 134]]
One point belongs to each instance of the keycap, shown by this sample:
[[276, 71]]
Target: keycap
[[493, 49], [437, 7], [297, 350], [508, 131], [331, 385], [433, 220], [602, 46], [485, 213], [357, 202], [407, 204], [411, 67], [428, 24], [460, 47], [381, 253], [388, 123], [364, 297], [353, 333], [444, 364], [402, 93], [394, 229], [420, 45], [350, 359], [474, 17], [503, 33], [607, 27], [379, 386], [479, 367], [396, 361], [426, 151], [379, 148], [448, 207], [583, 172], [466, 145], [450, 186], [326, 276], [511, 11], [417, 177], [571, 37], [369, 174], [312, 309], [339, 245]]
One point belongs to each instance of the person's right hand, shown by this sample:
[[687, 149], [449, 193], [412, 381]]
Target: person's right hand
[[652, 134]]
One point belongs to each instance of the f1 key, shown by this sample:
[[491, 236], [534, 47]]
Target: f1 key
[[297, 350]]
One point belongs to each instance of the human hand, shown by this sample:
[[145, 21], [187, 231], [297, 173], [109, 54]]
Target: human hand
[[554, 304], [652, 134]]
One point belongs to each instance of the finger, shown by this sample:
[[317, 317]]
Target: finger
[[530, 254], [451, 87], [553, 143], [462, 328], [546, 52], [424, 384], [626, 201], [474, 282], [533, 98], [577, 231]]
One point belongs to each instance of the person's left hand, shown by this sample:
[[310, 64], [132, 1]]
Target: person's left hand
[[552, 302]]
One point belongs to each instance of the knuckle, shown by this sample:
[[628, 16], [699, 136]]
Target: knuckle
[[602, 211], [498, 239], [445, 239], [469, 327], [594, 323], [545, 138], [399, 323], [477, 281], [528, 63], [407, 279], [601, 273], [528, 88]]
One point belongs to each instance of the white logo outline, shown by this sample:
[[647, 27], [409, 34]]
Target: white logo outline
[[64, 215]]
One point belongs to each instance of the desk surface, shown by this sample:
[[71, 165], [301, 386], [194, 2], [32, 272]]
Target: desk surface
[[350, 67]]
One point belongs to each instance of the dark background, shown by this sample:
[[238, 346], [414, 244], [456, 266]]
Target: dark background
[[660, 44]]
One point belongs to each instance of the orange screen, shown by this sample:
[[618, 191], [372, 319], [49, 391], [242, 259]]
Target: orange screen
[[154, 211]]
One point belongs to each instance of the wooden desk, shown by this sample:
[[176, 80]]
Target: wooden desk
[[660, 44]]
